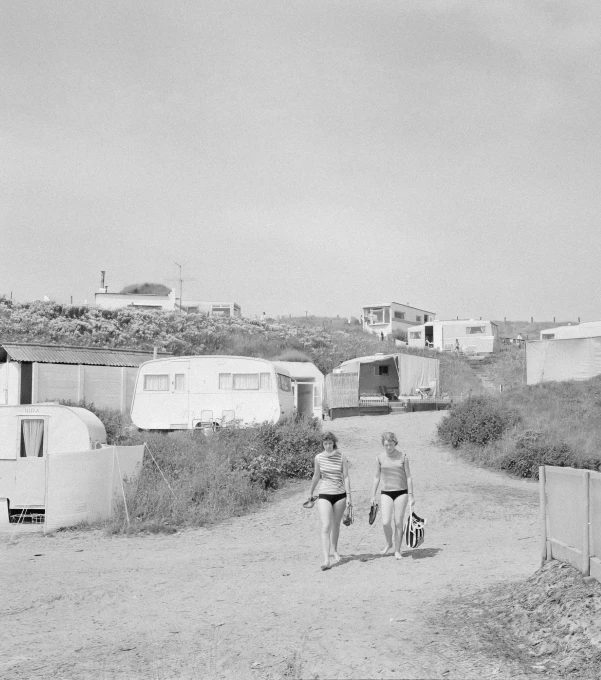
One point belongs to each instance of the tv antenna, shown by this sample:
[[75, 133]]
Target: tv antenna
[[181, 283]]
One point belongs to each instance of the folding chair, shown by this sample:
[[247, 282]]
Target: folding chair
[[206, 420]]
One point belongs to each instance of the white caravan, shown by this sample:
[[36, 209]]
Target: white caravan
[[28, 435], [182, 393], [467, 336]]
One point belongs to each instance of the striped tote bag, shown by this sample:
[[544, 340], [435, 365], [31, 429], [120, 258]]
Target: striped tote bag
[[414, 531]]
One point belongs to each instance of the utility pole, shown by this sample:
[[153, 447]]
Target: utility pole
[[181, 285]]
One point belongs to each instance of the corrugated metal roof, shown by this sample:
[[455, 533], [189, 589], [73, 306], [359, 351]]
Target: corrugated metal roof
[[67, 354]]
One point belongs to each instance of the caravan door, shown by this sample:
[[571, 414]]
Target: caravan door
[[30, 464]]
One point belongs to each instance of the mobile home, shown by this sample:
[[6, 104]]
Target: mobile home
[[182, 393], [28, 434], [468, 336]]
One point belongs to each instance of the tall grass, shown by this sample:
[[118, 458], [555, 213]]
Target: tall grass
[[191, 479], [557, 423]]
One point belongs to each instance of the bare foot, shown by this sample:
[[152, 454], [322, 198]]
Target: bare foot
[[398, 555], [386, 549], [326, 566]]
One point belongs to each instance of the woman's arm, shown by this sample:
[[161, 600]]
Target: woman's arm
[[316, 477], [347, 480], [376, 481], [409, 480]]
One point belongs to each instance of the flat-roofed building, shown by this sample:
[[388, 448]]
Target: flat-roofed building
[[389, 317]]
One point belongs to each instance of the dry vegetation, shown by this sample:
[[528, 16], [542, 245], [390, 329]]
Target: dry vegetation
[[550, 623]]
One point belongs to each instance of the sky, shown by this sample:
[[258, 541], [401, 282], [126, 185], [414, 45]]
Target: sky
[[308, 156]]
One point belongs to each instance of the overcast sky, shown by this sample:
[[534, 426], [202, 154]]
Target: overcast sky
[[305, 155]]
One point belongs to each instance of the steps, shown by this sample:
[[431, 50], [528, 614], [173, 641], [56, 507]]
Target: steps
[[479, 368]]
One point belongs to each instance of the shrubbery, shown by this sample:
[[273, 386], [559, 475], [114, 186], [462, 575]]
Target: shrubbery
[[191, 479], [532, 449], [478, 420]]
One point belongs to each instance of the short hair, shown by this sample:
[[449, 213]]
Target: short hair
[[389, 437], [330, 436]]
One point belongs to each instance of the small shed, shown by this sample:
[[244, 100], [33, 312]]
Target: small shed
[[28, 435], [34, 373], [307, 386]]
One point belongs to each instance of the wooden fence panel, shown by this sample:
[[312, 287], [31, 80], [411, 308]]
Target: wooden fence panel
[[595, 524], [566, 513]]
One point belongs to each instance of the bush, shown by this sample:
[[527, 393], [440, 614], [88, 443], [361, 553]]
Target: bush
[[271, 452], [190, 479], [478, 420], [532, 449]]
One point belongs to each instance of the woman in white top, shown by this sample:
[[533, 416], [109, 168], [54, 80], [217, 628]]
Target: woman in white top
[[392, 472], [331, 472]]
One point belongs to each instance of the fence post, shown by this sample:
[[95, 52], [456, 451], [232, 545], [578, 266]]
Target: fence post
[[543, 515], [586, 561]]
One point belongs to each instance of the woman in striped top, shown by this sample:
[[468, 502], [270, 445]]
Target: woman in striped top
[[331, 472], [396, 486]]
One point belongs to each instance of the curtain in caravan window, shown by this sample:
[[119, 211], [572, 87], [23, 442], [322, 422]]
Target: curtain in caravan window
[[156, 383], [246, 381], [225, 381], [265, 381], [180, 382], [32, 438]]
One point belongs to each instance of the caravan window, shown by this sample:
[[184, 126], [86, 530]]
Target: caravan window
[[418, 319], [399, 315], [472, 330], [284, 383], [415, 335], [547, 336], [156, 383], [180, 382], [225, 381], [245, 381], [32, 438], [265, 381]]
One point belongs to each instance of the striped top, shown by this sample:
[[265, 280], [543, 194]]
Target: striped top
[[330, 467], [392, 468]]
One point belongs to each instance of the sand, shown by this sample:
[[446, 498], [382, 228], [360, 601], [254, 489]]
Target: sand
[[247, 599]]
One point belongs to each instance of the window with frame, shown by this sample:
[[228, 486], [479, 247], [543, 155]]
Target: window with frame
[[156, 383], [265, 381], [284, 383], [225, 381], [473, 330], [179, 382], [245, 381], [418, 319], [415, 335], [548, 336], [32, 438], [380, 370], [399, 315]]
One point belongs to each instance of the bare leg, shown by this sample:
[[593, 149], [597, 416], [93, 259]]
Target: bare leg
[[339, 508], [387, 506], [326, 513], [400, 503]]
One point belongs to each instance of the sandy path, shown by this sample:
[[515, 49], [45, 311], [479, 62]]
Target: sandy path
[[247, 598]]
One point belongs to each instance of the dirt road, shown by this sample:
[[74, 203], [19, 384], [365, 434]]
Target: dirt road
[[247, 598]]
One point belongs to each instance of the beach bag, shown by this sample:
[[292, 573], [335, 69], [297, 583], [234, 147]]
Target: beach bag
[[349, 516], [414, 532]]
